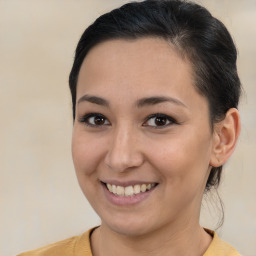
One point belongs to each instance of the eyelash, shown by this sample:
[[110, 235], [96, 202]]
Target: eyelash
[[85, 120], [170, 119]]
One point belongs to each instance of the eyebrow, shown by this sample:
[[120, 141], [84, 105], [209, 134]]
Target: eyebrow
[[140, 103], [94, 99], [158, 99]]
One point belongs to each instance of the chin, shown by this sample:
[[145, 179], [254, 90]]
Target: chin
[[129, 226], [129, 230]]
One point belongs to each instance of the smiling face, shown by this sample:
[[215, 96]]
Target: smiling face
[[139, 120]]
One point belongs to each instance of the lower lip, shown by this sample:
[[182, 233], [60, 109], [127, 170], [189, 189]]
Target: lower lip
[[126, 200]]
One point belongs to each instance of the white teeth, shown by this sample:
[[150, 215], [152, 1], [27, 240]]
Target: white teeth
[[113, 189], [109, 187], [136, 189], [120, 190], [129, 190], [143, 188], [149, 186]]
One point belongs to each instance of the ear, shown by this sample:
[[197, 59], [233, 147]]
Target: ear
[[225, 136]]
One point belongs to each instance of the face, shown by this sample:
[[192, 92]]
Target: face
[[141, 131]]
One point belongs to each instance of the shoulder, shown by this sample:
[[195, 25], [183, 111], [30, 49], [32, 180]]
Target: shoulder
[[220, 247], [77, 245]]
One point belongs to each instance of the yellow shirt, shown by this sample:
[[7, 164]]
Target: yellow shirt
[[80, 246]]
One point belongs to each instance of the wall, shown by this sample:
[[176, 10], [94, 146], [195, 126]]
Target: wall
[[40, 200]]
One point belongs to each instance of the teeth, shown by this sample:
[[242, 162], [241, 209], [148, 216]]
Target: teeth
[[149, 186], [109, 187], [120, 190], [113, 189], [143, 188], [130, 190], [136, 189]]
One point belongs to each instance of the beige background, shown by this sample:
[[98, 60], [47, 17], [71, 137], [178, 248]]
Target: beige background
[[40, 201]]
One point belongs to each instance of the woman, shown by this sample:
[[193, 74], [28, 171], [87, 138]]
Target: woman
[[155, 92]]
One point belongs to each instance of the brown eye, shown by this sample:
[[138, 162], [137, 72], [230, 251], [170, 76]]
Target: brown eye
[[94, 120], [159, 121], [99, 120]]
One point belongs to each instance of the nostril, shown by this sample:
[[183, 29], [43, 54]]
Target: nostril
[[124, 161]]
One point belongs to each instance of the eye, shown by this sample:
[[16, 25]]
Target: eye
[[159, 121], [94, 120]]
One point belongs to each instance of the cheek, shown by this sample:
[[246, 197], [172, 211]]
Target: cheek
[[86, 153], [182, 158]]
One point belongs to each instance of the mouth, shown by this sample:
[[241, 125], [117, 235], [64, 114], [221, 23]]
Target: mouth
[[129, 191]]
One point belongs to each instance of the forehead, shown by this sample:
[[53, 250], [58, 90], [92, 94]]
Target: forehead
[[141, 62]]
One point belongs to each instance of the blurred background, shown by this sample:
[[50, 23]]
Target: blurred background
[[40, 200]]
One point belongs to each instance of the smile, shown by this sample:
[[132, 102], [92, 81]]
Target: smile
[[129, 191]]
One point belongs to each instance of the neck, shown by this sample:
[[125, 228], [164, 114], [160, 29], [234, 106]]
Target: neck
[[190, 240]]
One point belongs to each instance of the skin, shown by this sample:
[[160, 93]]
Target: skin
[[129, 147]]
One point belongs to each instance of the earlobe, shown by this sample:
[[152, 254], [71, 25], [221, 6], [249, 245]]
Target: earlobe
[[225, 137]]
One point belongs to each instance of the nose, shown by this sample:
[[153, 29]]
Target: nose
[[124, 150]]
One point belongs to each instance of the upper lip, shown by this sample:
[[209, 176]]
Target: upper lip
[[127, 183]]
